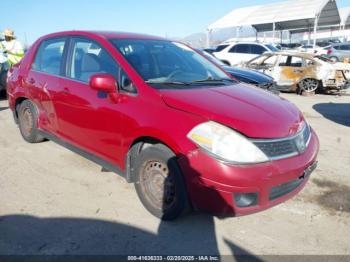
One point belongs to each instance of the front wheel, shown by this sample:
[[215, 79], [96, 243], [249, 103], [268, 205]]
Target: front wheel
[[160, 184]]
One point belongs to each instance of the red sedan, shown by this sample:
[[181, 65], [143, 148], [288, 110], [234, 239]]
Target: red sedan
[[164, 117]]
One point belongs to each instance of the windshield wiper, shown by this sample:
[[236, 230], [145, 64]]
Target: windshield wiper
[[168, 83], [212, 80]]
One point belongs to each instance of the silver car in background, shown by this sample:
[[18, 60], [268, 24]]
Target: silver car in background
[[339, 52]]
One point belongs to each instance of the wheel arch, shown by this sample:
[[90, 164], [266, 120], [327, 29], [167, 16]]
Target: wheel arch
[[19, 100], [136, 148]]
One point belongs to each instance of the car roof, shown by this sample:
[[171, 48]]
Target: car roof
[[243, 42], [104, 34]]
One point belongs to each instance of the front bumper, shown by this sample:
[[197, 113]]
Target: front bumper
[[213, 185]]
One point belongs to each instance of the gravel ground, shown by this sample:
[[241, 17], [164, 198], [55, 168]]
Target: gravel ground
[[52, 201]]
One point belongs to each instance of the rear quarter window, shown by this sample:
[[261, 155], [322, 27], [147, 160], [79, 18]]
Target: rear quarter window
[[49, 56]]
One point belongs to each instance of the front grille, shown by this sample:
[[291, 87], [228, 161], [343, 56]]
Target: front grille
[[285, 147], [278, 148], [284, 189]]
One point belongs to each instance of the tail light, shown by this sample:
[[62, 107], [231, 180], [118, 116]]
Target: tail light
[[329, 51]]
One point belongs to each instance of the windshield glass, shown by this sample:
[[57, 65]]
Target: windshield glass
[[168, 63], [272, 48]]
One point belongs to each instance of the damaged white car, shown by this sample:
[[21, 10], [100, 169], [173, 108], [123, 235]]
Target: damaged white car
[[298, 72]]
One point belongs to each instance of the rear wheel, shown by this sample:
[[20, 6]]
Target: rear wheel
[[309, 85], [160, 184], [27, 121]]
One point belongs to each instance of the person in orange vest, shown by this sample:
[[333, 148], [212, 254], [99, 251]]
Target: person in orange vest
[[12, 48]]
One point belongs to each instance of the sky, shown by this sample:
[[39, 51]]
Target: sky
[[178, 18]]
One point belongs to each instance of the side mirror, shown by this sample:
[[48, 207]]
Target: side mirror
[[104, 82]]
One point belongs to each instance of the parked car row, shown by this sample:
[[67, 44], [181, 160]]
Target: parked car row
[[305, 69]]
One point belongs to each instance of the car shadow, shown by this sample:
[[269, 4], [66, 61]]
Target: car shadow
[[338, 113], [29, 235], [193, 234]]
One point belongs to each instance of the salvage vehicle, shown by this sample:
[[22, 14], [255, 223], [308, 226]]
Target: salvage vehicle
[[244, 75], [302, 72], [167, 119], [236, 53]]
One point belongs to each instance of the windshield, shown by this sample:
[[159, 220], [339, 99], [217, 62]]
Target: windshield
[[164, 63], [272, 48]]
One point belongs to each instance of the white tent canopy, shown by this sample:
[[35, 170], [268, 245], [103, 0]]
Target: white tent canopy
[[292, 14], [345, 16], [288, 15]]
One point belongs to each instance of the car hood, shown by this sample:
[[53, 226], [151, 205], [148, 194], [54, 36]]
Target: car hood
[[249, 110], [250, 74]]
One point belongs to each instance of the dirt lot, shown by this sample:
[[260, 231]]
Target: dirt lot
[[53, 201]]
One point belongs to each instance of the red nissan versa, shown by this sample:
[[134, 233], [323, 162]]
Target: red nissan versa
[[166, 118]]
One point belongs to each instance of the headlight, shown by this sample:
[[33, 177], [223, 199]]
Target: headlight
[[226, 144]]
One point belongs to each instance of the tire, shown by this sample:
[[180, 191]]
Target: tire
[[159, 183], [27, 121], [309, 85]]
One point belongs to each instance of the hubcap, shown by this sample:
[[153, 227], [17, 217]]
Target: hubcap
[[158, 185], [309, 85], [27, 122]]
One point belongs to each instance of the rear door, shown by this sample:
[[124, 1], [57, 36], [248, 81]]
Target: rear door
[[290, 70], [43, 80]]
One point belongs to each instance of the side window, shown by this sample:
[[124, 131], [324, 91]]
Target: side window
[[49, 56], [240, 48], [296, 61], [345, 47], [220, 48], [125, 83], [257, 49], [283, 61], [89, 58]]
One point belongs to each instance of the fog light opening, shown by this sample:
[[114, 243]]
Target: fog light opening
[[246, 199]]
